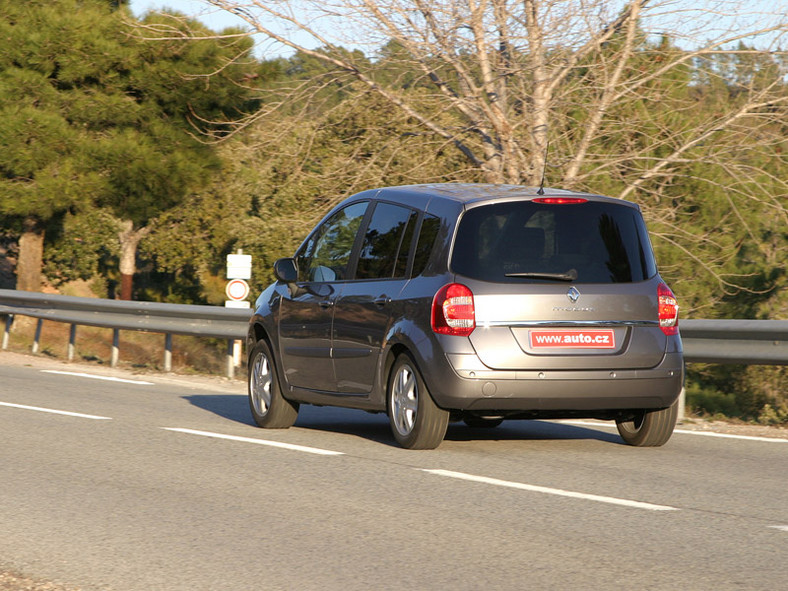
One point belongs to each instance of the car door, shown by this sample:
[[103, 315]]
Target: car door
[[363, 309], [306, 316]]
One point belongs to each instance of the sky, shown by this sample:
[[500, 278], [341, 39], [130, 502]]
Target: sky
[[215, 19], [219, 19]]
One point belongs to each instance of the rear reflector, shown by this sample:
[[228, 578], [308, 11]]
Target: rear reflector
[[668, 310], [453, 312], [560, 200]]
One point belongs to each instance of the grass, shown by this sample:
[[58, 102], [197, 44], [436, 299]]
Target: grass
[[139, 351]]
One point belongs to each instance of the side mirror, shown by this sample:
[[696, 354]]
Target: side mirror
[[286, 271]]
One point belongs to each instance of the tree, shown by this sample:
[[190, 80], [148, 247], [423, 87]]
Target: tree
[[608, 85], [96, 118], [40, 176]]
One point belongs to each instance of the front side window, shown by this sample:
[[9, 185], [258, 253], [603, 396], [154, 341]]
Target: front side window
[[326, 254], [589, 242], [386, 243]]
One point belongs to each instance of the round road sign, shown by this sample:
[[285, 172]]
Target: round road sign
[[237, 290]]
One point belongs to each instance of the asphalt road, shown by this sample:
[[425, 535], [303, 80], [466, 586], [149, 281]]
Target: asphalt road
[[165, 484]]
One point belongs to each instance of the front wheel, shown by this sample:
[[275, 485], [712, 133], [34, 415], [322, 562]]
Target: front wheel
[[649, 428], [416, 421], [269, 408]]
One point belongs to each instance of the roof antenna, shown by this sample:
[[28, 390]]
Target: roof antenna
[[544, 169]]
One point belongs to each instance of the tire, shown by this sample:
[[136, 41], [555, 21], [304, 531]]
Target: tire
[[481, 423], [270, 409], [651, 428], [416, 421]]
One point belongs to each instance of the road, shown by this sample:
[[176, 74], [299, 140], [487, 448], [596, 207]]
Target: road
[[157, 483]]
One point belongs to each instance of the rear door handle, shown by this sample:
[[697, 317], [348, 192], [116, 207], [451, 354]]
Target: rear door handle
[[382, 300]]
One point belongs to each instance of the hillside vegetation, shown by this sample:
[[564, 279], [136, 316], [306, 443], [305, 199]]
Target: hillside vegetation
[[135, 154]]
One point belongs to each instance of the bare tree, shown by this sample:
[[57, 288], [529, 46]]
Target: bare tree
[[516, 75], [594, 95]]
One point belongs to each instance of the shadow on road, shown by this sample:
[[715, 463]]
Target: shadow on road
[[229, 406], [376, 426]]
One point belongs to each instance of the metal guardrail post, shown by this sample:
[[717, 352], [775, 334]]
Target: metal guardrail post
[[682, 405], [113, 362], [37, 338], [72, 340], [230, 359], [8, 322], [168, 352]]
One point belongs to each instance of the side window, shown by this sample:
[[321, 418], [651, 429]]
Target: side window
[[427, 236], [325, 256], [385, 241], [401, 268]]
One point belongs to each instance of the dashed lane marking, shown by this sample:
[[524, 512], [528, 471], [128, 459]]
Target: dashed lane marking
[[280, 444], [683, 432], [552, 491], [56, 412], [95, 377]]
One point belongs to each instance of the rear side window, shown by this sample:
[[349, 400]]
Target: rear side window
[[427, 235], [386, 243], [590, 242]]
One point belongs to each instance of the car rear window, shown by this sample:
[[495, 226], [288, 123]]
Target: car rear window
[[589, 242]]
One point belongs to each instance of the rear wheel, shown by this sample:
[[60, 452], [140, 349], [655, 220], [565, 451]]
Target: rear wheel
[[269, 408], [416, 421], [649, 428]]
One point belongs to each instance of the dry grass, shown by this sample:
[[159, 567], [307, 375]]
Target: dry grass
[[139, 351]]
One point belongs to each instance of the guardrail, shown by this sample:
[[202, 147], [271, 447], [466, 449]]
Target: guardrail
[[747, 342], [752, 342], [169, 319]]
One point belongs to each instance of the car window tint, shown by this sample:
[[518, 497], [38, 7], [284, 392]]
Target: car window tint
[[382, 241], [326, 254], [401, 268], [427, 235], [600, 242]]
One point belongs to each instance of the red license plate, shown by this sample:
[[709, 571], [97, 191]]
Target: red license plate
[[572, 339]]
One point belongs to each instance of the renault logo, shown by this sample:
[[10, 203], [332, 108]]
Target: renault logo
[[573, 294]]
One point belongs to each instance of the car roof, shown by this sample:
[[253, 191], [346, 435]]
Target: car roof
[[471, 193]]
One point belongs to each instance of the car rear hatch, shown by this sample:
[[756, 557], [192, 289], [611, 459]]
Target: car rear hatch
[[541, 327], [568, 285]]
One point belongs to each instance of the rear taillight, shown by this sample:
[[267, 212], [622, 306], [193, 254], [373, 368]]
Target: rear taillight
[[668, 310], [453, 312]]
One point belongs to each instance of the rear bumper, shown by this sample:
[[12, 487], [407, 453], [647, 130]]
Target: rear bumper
[[457, 383]]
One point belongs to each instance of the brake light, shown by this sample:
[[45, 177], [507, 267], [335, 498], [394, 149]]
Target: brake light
[[668, 310], [453, 312], [560, 200]]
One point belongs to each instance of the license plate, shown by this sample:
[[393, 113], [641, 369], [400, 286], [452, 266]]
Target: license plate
[[572, 339]]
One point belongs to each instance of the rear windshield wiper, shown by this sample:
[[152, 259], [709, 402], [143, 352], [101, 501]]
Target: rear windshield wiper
[[570, 275]]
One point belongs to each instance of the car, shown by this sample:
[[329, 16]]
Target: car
[[471, 302]]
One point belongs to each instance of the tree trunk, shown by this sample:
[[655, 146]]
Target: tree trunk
[[129, 241], [31, 255]]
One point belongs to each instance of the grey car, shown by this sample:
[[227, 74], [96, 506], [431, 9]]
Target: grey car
[[475, 303]]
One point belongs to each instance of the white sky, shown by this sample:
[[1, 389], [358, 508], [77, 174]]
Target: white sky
[[219, 19], [215, 19]]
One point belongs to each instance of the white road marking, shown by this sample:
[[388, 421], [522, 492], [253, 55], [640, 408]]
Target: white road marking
[[780, 527], [684, 432], [290, 446], [56, 412], [95, 377], [552, 491]]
